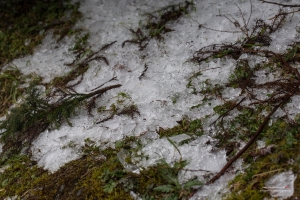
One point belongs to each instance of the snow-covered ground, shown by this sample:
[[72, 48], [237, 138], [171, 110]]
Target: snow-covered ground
[[153, 94]]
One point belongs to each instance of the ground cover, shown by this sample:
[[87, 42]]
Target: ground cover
[[266, 84]]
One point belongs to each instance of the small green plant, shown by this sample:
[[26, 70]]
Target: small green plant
[[175, 98], [35, 115], [222, 109], [172, 189], [224, 52], [122, 106], [122, 96], [80, 42], [110, 179], [241, 75]]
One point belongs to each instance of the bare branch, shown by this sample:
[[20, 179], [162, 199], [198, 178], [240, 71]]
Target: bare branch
[[251, 7], [279, 4]]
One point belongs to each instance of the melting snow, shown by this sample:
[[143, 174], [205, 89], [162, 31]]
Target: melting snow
[[165, 79], [281, 185]]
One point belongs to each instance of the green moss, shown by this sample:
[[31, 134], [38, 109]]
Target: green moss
[[9, 91], [281, 157], [19, 176], [241, 75], [190, 127], [97, 175], [85, 178]]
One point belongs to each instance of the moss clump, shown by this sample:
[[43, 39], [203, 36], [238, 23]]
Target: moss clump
[[85, 178], [20, 175], [190, 127]]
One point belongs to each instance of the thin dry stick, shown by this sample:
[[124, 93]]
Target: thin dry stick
[[250, 13], [285, 13], [279, 4], [201, 26], [244, 21], [112, 79]]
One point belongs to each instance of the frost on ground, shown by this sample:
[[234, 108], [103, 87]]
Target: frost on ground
[[161, 94], [281, 185]]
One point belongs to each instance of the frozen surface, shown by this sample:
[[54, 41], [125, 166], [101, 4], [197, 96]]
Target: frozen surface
[[154, 94], [48, 60], [281, 185]]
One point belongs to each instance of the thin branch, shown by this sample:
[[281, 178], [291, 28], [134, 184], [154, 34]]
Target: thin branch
[[251, 7], [284, 13], [201, 26], [244, 21], [143, 72], [279, 4], [112, 79], [196, 170]]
